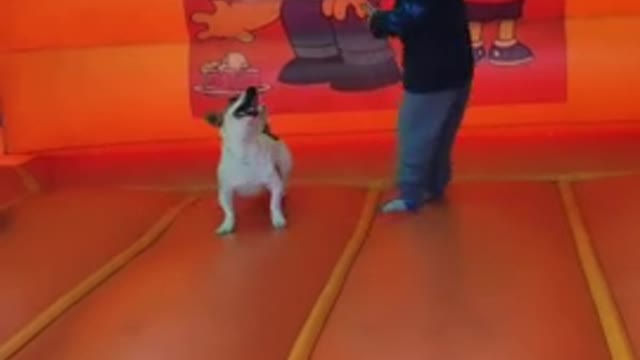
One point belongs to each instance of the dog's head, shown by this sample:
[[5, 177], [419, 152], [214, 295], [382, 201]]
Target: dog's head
[[243, 115]]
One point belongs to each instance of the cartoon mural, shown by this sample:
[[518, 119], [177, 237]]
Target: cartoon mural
[[506, 49], [229, 76], [323, 47], [329, 39], [232, 19], [335, 46]]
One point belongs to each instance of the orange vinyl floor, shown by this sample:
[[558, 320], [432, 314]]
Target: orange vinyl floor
[[110, 254]]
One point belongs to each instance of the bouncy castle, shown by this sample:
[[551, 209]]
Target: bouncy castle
[[108, 193]]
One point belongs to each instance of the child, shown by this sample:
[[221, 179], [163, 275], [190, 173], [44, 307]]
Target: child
[[438, 71]]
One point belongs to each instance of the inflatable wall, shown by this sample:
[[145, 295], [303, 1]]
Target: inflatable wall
[[77, 73]]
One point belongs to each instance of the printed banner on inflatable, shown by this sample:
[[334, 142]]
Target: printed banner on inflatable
[[308, 55]]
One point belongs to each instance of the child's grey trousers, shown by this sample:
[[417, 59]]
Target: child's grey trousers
[[427, 128]]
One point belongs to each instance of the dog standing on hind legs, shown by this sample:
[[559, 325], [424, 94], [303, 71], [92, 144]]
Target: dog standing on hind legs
[[253, 159]]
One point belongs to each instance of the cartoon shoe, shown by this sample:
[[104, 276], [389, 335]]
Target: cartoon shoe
[[479, 52], [510, 54]]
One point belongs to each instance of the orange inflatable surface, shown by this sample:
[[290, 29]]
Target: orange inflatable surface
[[110, 253], [130, 71]]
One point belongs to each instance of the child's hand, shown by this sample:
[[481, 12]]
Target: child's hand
[[368, 9]]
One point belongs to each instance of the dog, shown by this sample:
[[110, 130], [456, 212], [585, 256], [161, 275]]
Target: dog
[[253, 158]]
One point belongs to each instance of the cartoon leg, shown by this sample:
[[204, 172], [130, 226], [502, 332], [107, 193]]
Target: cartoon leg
[[507, 50], [479, 14], [369, 63], [313, 42], [475, 28]]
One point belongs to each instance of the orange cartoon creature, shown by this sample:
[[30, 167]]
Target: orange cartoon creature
[[329, 38], [507, 49]]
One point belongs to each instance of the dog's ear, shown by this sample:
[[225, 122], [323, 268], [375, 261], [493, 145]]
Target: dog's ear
[[214, 119]]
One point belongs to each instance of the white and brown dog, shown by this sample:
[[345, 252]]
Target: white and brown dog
[[253, 159]]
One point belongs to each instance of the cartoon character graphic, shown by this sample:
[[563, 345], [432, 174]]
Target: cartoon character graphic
[[329, 38], [507, 49], [229, 76], [236, 19], [332, 44]]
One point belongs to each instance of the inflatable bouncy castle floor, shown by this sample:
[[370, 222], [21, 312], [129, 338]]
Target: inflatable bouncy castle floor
[[108, 205]]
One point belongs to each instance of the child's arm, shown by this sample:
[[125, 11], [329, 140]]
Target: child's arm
[[399, 21]]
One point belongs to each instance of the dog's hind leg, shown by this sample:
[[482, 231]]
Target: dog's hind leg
[[284, 165], [277, 215], [225, 200]]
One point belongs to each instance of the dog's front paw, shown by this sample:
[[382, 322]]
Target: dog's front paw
[[278, 220], [225, 228]]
